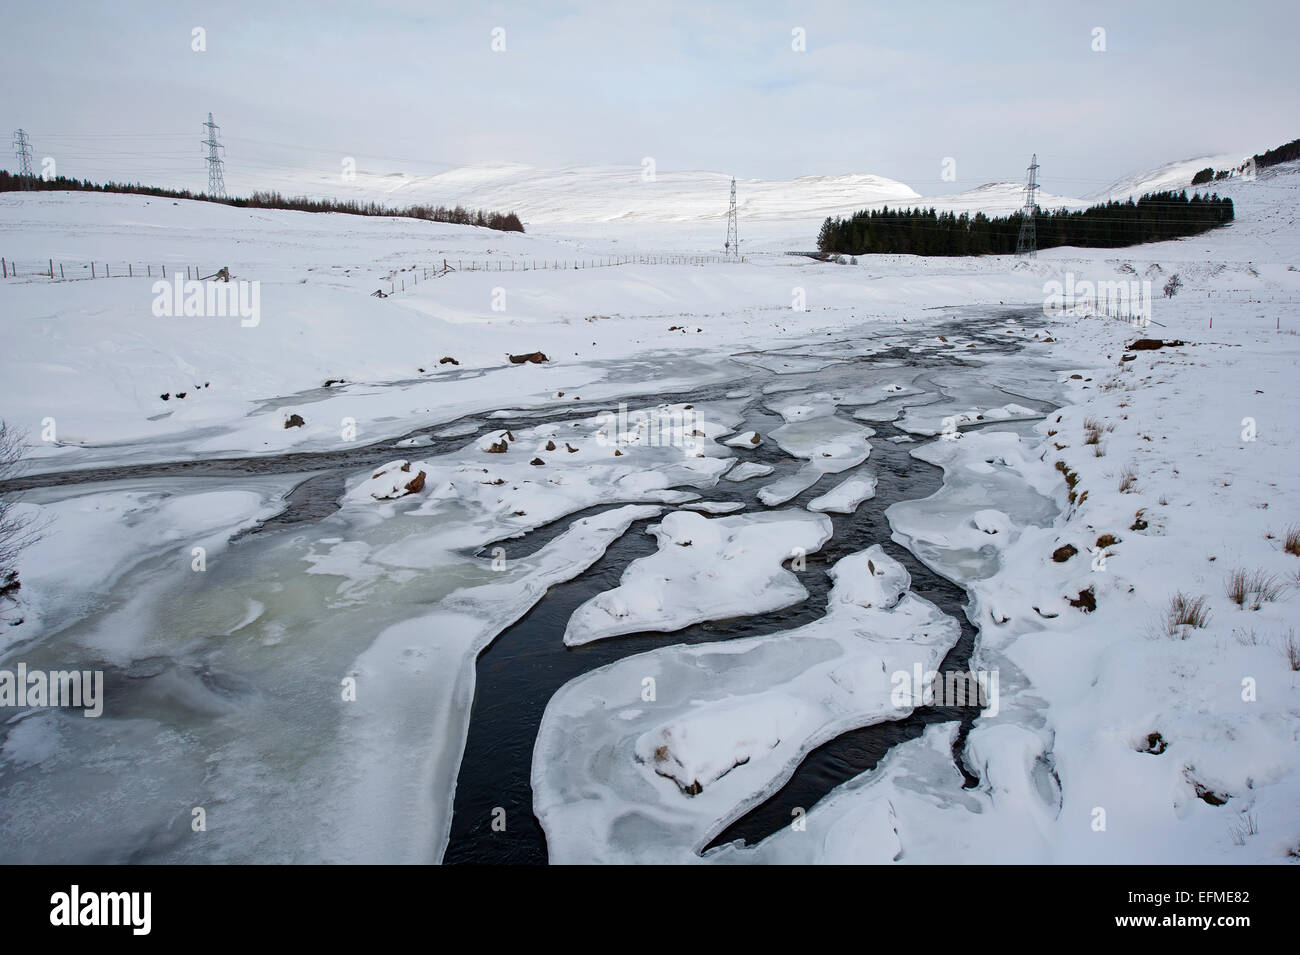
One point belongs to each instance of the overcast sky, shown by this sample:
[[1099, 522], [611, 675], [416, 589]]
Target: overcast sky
[[115, 90]]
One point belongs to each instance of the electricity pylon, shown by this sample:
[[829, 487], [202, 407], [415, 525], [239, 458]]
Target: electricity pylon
[[733, 243], [1028, 241], [216, 180], [23, 152]]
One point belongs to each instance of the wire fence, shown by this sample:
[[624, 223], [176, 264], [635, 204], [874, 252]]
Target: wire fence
[[526, 265], [398, 279], [80, 270], [77, 271]]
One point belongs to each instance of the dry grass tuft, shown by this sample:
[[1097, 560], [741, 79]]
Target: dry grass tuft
[[1291, 649], [1254, 589], [1186, 613]]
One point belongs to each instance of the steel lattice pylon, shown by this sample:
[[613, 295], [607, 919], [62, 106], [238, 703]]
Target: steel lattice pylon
[[23, 152], [1028, 241], [733, 242], [216, 180]]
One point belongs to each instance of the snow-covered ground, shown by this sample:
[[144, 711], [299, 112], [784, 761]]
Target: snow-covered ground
[[1116, 735]]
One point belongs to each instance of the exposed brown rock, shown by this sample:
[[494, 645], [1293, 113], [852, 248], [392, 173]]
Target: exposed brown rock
[[1086, 601]]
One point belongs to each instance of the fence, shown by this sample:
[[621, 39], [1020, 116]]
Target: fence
[[1130, 313], [76, 271], [397, 277], [526, 265]]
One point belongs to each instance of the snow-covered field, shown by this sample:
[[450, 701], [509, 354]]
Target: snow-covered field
[[323, 669]]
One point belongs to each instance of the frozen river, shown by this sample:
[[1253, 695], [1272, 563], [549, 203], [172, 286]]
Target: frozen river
[[431, 676]]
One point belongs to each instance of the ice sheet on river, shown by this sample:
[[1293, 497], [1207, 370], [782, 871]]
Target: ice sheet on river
[[955, 531], [645, 759], [828, 443], [704, 570], [845, 497]]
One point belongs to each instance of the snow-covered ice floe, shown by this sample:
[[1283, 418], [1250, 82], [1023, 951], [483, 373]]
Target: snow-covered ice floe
[[623, 774], [749, 469], [955, 531], [828, 443], [704, 570], [845, 497]]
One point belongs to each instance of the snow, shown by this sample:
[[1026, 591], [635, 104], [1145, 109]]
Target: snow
[[704, 570], [829, 444], [617, 778], [845, 497], [748, 469], [609, 194], [750, 439], [224, 683]]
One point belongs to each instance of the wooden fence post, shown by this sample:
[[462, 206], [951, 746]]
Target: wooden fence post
[[60, 270], [51, 268]]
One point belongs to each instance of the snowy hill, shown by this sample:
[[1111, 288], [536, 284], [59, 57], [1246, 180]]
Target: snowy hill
[[1174, 175], [582, 195], [608, 193]]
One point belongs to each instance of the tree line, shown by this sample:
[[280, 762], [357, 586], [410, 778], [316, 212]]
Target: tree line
[[1153, 218], [1281, 154], [502, 222], [1271, 157]]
